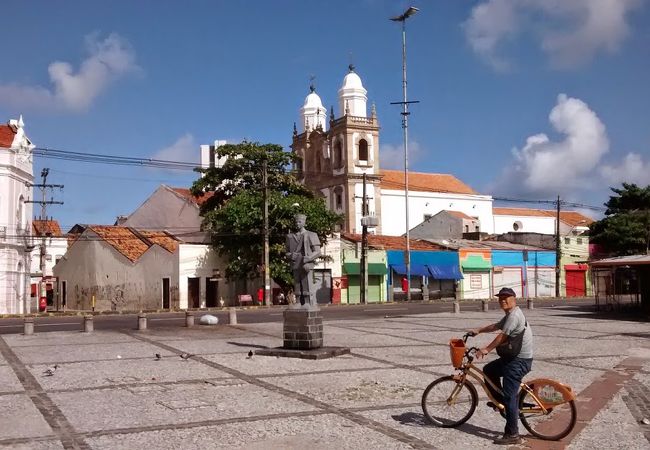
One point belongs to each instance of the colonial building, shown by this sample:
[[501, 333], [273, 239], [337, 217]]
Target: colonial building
[[336, 154], [16, 178]]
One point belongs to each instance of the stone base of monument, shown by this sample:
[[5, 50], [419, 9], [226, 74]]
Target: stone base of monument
[[303, 336]]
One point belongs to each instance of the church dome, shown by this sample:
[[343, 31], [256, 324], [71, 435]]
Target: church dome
[[352, 81], [352, 95], [313, 101]]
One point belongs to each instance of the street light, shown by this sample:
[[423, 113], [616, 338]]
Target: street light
[[405, 113]]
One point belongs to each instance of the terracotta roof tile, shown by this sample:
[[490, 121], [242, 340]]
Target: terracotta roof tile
[[572, 218], [45, 227], [161, 238], [424, 182], [7, 134], [392, 242], [126, 240], [186, 194]]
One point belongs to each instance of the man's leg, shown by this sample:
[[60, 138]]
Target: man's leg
[[494, 371], [513, 373]]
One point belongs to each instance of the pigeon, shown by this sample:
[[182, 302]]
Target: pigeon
[[250, 354], [157, 356], [186, 356], [50, 370]]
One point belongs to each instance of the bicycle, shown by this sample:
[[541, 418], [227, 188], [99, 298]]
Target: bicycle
[[546, 407]]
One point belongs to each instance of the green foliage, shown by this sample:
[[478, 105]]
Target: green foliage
[[625, 230], [234, 214]]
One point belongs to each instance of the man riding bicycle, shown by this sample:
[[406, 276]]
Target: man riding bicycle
[[514, 344]]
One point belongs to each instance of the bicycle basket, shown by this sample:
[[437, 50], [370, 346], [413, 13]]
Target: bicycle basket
[[457, 352]]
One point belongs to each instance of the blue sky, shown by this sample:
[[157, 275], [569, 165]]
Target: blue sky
[[527, 99]]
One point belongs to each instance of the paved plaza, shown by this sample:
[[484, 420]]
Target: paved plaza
[[110, 392]]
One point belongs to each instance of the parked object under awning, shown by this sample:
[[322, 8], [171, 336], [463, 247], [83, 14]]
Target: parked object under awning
[[354, 268]]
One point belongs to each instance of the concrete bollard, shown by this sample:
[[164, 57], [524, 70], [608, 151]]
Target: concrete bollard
[[189, 319], [486, 305], [29, 326], [142, 321], [529, 303], [232, 315], [88, 324], [456, 307]]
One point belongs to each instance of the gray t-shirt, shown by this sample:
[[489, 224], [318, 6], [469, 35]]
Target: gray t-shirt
[[514, 323]]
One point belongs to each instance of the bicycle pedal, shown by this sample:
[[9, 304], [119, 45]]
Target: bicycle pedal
[[493, 406]]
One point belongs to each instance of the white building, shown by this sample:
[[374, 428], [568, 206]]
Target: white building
[[16, 178], [528, 220]]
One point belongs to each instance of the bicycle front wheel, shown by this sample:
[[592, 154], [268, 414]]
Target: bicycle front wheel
[[448, 403], [552, 426]]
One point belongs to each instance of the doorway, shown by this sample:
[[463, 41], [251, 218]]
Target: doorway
[[193, 300], [165, 293], [211, 292]]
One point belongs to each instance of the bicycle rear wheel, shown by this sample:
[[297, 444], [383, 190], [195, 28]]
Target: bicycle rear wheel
[[448, 403], [552, 426]]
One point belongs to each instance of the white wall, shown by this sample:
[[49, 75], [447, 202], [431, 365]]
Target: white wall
[[420, 203], [197, 260], [529, 224]]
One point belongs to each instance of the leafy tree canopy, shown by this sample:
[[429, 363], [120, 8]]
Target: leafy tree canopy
[[234, 213], [625, 230]]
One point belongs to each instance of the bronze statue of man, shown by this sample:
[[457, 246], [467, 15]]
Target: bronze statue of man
[[303, 248]]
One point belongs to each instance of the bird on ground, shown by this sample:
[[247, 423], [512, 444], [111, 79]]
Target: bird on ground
[[157, 356], [250, 354], [185, 356], [50, 370]]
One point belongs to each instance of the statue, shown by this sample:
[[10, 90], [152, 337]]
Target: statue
[[303, 248]]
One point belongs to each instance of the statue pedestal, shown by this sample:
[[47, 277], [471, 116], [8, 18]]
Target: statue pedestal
[[303, 328]]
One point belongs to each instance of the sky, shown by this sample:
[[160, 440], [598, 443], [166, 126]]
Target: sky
[[526, 99]]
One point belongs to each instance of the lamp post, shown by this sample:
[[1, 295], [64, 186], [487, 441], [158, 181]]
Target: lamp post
[[405, 113]]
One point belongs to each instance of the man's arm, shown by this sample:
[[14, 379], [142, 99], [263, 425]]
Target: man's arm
[[498, 340], [486, 329]]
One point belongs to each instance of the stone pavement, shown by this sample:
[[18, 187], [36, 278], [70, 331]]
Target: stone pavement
[[110, 392]]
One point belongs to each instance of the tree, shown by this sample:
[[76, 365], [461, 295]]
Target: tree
[[625, 229], [234, 212]]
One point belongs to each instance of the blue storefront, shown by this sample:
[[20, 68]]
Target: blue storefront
[[433, 274], [531, 273]]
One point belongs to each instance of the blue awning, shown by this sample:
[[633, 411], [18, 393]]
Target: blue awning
[[416, 269], [445, 272]]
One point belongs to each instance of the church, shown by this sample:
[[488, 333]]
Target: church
[[336, 152]]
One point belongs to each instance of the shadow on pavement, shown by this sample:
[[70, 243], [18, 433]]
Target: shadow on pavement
[[243, 344], [418, 420]]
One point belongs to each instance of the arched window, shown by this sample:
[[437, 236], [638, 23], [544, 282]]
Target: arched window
[[363, 150], [338, 155]]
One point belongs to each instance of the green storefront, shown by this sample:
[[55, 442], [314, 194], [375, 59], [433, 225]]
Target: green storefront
[[376, 277]]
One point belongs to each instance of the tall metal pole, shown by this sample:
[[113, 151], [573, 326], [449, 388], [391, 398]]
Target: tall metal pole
[[364, 246], [405, 114], [405, 127], [267, 268], [558, 250]]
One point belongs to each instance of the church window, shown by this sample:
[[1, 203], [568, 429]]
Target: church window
[[363, 150], [20, 214], [338, 155], [466, 228]]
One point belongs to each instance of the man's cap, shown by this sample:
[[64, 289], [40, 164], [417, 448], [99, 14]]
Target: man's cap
[[506, 292]]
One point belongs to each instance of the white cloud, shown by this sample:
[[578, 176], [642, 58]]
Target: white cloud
[[72, 90], [543, 167], [392, 156], [631, 170], [570, 32], [185, 149]]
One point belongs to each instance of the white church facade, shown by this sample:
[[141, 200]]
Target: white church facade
[[16, 178]]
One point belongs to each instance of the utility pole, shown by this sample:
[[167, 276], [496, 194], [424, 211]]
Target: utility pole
[[558, 250], [267, 268], [364, 245], [44, 202]]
